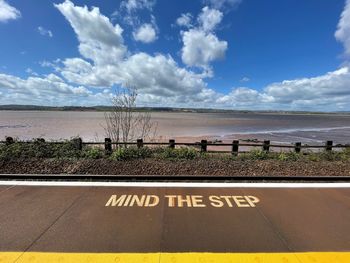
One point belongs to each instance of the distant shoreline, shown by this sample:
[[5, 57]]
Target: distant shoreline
[[159, 109]]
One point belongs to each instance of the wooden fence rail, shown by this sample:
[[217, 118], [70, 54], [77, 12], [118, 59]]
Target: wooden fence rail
[[203, 145]]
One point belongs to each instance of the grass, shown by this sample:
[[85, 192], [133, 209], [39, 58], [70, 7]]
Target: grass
[[68, 150]]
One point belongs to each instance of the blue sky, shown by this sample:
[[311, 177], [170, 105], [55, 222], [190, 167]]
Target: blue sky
[[234, 54]]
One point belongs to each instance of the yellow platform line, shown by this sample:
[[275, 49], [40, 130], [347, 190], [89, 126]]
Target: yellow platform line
[[312, 257]]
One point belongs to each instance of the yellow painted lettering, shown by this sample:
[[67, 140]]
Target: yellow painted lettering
[[215, 201], [113, 201], [197, 201]]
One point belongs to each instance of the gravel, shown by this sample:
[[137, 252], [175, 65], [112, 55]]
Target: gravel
[[154, 166]]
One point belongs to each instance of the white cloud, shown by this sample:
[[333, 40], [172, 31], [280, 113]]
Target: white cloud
[[44, 32], [81, 72], [49, 89], [105, 62], [200, 45], [99, 40], [221, 4], [300, 91], [128, 11], [157, 74], [160, 75], [245, 79], [54, 64], [343, 32], [132, 5], [243, 98], [145, 33], [184, 20], [201, 48], [31, 72], [8, 12], [327, 92], [209, 18]]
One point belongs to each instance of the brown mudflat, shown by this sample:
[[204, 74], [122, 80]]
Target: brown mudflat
[[76, 219]]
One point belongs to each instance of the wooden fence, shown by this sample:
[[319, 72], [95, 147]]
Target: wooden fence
[[235, 146]]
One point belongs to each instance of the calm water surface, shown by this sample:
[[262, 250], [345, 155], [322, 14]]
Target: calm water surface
[[89, 125]]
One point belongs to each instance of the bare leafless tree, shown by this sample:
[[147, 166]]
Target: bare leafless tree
[[124, 123]]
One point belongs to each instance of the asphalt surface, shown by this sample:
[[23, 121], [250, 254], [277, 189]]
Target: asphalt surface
[[69, 219]]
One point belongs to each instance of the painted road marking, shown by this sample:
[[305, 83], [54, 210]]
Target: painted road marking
[[175, 224], [312, 257], [174, 184]]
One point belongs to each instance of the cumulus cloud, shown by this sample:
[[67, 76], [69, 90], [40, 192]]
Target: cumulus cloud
[[221, 4], [201, 48], [8, 12], [31, 72], [327, 92], [242, 98], [153, 75], [44, 32], [51, 88], [160, 75], [209, 18], [331, 85], [132, 5], [343, 32], [184, 20], [146, 33], [106, 62], [200, 44], [128, 12], [100, 40]]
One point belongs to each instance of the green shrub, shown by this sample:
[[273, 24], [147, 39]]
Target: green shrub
[[179, 153], [25, 150], [288, 156], [314, 157], [143, 152], [328, 156], [67, 149], [93, 153], [39, 149], [282, 157], [345, 154], [121, 153], [258, 155], [346, 151]]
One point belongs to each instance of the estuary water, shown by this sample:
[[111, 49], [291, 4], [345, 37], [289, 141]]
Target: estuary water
[[286, 128]]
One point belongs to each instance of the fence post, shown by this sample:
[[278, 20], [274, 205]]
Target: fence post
[[108, 145], [204, 145], [9, 140], [78, 143], [235, 147], [172, 144], [298, 147], [139, 143], [329, 145], [266, 146]]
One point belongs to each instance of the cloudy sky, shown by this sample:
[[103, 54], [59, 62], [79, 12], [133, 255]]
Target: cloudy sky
[[232, 54]]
